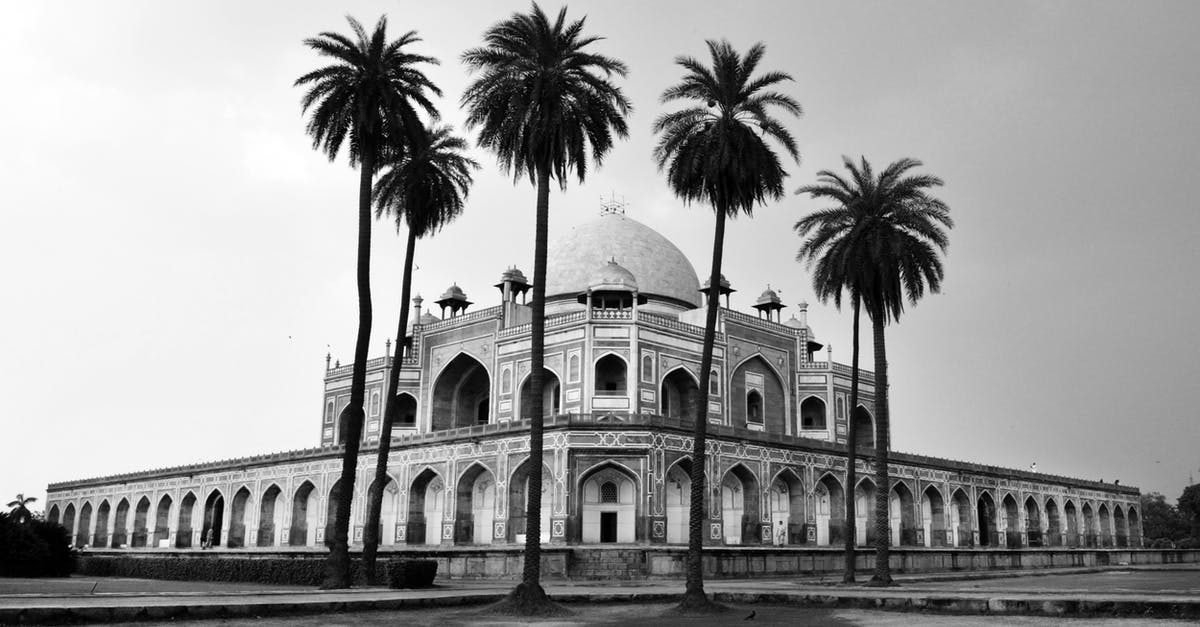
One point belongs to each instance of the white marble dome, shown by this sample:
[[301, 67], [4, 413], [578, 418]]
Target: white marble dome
[[661, 270]]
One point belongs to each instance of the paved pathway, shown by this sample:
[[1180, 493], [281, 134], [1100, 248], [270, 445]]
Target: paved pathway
[[1173, 592]]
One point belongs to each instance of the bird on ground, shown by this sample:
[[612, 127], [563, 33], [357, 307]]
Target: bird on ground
[[751, 616]]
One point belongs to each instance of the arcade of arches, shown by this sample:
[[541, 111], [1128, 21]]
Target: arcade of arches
[[467, 509]]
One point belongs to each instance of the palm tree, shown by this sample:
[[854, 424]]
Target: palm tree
[[367, 95], [423, 189], [541, 99], [833, 246], [893, 230], [21, 513], [715, 151]]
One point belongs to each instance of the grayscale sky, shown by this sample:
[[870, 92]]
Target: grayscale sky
[[176, 259]]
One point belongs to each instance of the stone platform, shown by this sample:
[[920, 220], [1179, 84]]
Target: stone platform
[[637, 562]]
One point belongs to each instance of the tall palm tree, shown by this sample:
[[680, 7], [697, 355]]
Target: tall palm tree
[[833, 251], [715, 151], [423, 190], [893, 231], [21, 513], [366, 95], [541, 99]]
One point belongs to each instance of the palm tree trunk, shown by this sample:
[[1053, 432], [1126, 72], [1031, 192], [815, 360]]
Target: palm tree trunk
[[530, 590], [883, 491], [371, 538], [852, 451], [337, 566], [693, 596]]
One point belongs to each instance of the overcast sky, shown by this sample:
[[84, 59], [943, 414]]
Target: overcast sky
[[176, 259]]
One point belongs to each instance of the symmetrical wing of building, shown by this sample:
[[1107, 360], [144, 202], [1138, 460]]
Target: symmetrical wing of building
[[623, 341]]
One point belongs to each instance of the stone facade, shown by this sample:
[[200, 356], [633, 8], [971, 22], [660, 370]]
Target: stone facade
[[622, 371]]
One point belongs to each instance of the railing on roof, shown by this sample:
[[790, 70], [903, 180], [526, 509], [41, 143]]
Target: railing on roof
[[612, 314], [765, 325], [474, 316], [551, 322], [674, 325]]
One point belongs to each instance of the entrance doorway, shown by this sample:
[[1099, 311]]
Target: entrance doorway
[[608, 526]]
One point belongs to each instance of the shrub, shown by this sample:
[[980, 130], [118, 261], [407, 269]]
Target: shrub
[[301, 571], [34, 548], [411, 573], [1188, 543]]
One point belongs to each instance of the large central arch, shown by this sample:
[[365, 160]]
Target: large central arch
[[461, 395]]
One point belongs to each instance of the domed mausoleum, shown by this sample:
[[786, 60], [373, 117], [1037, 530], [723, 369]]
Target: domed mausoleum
[[622, 357]]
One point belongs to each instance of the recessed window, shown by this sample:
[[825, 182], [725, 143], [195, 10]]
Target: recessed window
[[754, 407], [608, 492]]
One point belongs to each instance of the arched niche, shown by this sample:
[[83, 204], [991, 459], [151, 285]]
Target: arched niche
[[740, 506], [757, 396], [461, 395], [679, 390], [475, 506], [609, 505], [551, 396]]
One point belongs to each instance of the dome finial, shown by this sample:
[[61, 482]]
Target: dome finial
[[612, 206]]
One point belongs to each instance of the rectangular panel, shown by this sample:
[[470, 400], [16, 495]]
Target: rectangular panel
[[610, 402]]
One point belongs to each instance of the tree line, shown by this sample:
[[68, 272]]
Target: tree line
[[548, 106]]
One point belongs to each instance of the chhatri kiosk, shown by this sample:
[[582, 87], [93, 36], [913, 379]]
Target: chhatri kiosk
[[623, 340]]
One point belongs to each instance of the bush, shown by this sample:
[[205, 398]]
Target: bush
[[34, 548], [300, 571], [1162, 543], [411, 573], [1188, 543]]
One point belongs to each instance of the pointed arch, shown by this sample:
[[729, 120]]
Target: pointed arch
[[237, 518], [305, 515], [901, 515], [787, 513], [53, 515], [162, 522], [1053, 523], [518, 502], [214, 519], [270, 516], [678, 388], [960, 525], [84, 535], [864, 424], [100, 538], [740, 498], [677, 494], [461, 394], [758, 396], [141, 531], [988, 519], [609, 503], [611, 374], [406, 410], [184, 526], [475, 504], [389, 531], [830, 504], [1033, 522], [426, 507], [1071, 516], [813, 413], [68, 520], [1103, 514], [1120, 528], [121, 525], [552, 393], [1088, 525], [934, 524]]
